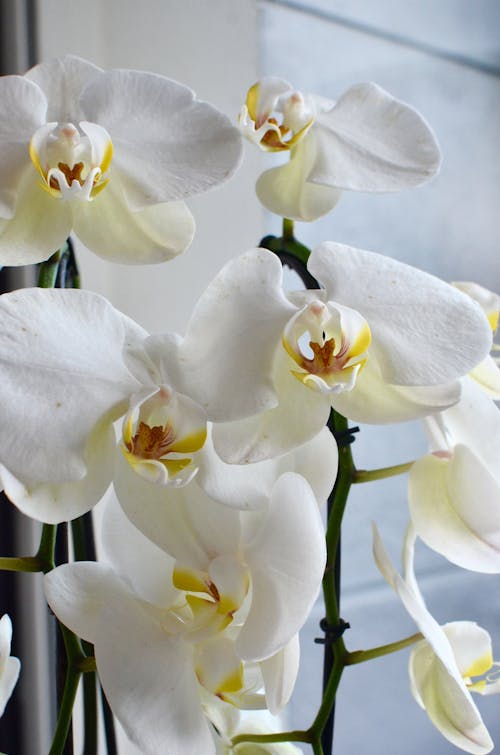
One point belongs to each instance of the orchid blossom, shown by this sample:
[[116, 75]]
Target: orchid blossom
[[221, 593], [454, 492], [87, 362], [109, 155], [381, 342], [366, 141], [442, 664], [9, 666]]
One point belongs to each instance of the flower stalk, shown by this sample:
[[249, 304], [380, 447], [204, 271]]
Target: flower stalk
[[360, 656], [368, 475], [75, 657]]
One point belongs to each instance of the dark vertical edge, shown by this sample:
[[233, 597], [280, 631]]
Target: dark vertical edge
[[29, 717]]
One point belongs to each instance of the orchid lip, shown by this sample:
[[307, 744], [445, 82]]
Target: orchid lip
[[279, 126], [161, 434], [73, 163], [329, 344]]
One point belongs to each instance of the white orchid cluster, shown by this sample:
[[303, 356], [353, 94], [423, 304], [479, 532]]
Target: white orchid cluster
[[215, 443]]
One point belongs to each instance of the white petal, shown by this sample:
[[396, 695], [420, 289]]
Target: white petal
[[455, 508], [55, 503], [218, 667], [288, 191], [22, 111], [240, 486], [149, 681], [109, 228], [78, 593], [373, 400], [8, 681], [133, 556], [317, 461], [154, 361], [286, 559], [447, 702], [471, 647], [245, 486], [475, 423], [65, 346], [62, 80], [39, 227], [267, 91], [487, 374], [300, 415], [413, 602], [279, 673], [232, 337], [5, 637], [174, 146], [184, 522], [369, 141], [488, 300], [424, 331]]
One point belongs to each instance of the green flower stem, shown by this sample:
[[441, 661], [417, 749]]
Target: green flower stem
[[360, 656], [74, 657], [23, 563], [46, 549], [48, 270], [287, 244], [288, 229], [282, 736], [86, 665], [345, 477], [367, 475], [43, 561], [322, 727], [324, 711]]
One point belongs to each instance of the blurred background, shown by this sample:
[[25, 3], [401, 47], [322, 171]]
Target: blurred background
[[442, 57]]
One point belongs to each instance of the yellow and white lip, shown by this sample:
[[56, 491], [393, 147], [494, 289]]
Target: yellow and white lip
[[273, 117], [329, 343], [161, 434], [72, 163], [212, 597]]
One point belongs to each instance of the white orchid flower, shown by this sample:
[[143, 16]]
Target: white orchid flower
[[454, 492], [66, 376], [170, 631], [441, 666], [208, 539], [366, 141], [9, 666], [109, 155], [381, 342], [487, 374]]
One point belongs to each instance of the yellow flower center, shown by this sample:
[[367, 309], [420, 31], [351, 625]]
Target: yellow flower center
[[151, 442], [73, 165]]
